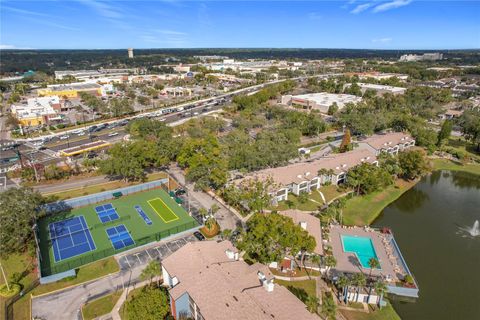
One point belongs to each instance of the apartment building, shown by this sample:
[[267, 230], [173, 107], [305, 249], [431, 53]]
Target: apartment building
[[307, 176], [208, 281], [392, 143]]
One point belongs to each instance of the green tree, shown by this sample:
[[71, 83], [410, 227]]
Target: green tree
[[373, 263], [470, 124], [151, 303], [444, 132], [367, 178], [332, 109], [380, 288], [346, 144], [270, 237], [19, 207], [329, 308], [152, 270], [312, 303], [413, 163]]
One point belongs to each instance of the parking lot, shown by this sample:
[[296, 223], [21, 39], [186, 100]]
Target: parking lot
[[158, 252]]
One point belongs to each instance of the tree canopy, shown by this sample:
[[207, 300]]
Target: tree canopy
[[18, 209], [270, 237]]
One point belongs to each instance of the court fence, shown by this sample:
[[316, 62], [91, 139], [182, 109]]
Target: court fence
[[48, 269], [66, 205]]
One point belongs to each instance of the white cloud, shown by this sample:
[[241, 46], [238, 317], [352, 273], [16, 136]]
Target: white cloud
[[11, 46], [382, 40], [27, 12], [172, 32], [103, 9], [391, 5], [361, 7]]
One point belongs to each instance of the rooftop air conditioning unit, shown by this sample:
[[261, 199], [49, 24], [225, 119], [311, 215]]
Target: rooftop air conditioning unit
[[303, 225]]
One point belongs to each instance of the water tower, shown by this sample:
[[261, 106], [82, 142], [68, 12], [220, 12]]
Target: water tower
[[130, 53]]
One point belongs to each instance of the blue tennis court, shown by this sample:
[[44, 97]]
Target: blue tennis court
[[143, 215], [106, 213], [70, 238], [120, 237]]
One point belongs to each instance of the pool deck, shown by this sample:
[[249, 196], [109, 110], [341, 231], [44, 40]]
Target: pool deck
[[391, 263]]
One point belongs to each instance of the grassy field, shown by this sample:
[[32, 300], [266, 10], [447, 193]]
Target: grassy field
[[386, 313], [139, 231], [331, 192], [83, 191], [464, 147], [444, 164], [22, 264], [363, 210], [302, 289], [100, 306], [295, 204]]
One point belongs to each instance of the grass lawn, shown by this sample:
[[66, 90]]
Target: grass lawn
[[463, 146], [301, 289], [307, 206], [330, 192], [386, 313], [363, 210], [139, 231], [22, 264], [444, 164], [100, 306], [73, 193]]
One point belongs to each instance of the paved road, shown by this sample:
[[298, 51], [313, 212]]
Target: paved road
[[66, 304], [225, 218], [73, 184]]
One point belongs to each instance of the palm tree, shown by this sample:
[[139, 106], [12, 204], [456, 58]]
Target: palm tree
[[380, 288], [373, 263], [312, 303], [330, 262], [343, 282], [359, 281], [152, 270], [315, 259]]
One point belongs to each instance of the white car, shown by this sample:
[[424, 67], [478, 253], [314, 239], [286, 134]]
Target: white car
[[162, 120], [64, 137], [81, 133], [113, 134]]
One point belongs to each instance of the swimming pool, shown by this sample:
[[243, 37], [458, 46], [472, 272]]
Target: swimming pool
[[361, 246]]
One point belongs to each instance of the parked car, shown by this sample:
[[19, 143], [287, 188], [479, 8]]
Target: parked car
[[113, 134], [64, 137], [199, 236]]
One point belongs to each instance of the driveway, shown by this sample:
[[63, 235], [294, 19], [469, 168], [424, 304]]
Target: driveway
[[225, 218], [66, 304]]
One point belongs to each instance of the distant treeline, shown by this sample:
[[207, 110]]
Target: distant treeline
[[49, 60]]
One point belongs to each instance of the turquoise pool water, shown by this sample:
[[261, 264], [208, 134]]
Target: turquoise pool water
[[362, 247]]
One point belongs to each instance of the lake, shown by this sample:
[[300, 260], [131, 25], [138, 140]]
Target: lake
[[430, 223]]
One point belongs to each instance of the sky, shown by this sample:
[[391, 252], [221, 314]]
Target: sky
[[373, 24]]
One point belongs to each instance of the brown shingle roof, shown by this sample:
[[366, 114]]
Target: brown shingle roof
[[313, 226], [229, 289], [381, 141]]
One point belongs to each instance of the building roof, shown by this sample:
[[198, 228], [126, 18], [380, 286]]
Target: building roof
[[311, 223], [381, 87], [386, 140], [74, 86], [224, 288], [298, 172], [327, 99]]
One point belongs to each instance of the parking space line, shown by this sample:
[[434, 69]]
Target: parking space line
[[149, 255], [136, 254], [129, 265], [159, 253]]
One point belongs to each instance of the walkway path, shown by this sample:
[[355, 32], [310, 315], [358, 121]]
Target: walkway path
[[66, 304]]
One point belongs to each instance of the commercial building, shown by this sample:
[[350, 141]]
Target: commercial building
[[38, 111], [320, 101], [71, 90], [308, 176], [92, 74], [208, 281], [421, 57], [380, 89], [388, 142], [377, 75]]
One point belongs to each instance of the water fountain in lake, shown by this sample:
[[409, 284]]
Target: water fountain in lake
[[473, 231]]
